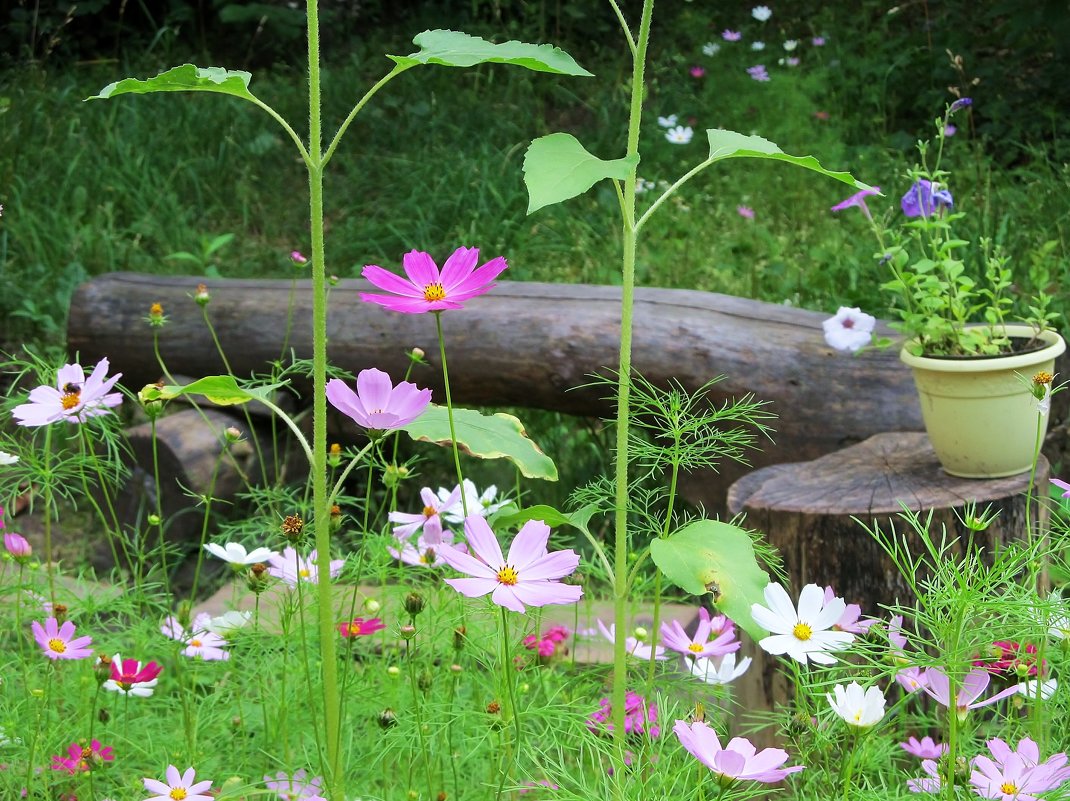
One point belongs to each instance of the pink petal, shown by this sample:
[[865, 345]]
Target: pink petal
[[730, 763], [154, 786], [482, 540], [374, 389], [391, 282], [544, 593], [404, 305], [421, 269], [504, 595], [465, 563], [529, 546], [552, 566], [481, 280], [74, 374], [457, 270], [173, 777], [187, 777]]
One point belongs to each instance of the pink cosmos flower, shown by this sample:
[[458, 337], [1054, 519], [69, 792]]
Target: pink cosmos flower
[[739, 760], [698, 72], [75, 398], [199, 641], [426, 551], [178, 786], [973, 685], [745, 211], [632, 645], [1064, 486], [818, 41], [925, 748], [1016, 775], [528, 576], [429, 518], [17, 545], [758, 73], [930, 782], [295, 787], [79, 759], [912, 679], [128, 677], [59, 642], [849, 621], [724, 642], [428, 290], [858, 199], [640, 718], [895, 634], [1011, 658], [359, 627], [377, 404], [546, 645], [291, 568], [297, 257], [731, 36]]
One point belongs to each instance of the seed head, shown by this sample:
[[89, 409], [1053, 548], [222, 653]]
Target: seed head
[[292, 528]]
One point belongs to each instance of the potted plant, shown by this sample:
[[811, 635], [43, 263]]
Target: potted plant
[[983, 372]]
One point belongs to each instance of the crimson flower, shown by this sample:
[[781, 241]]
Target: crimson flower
[[429, 290], [359, 627], [128, 677]]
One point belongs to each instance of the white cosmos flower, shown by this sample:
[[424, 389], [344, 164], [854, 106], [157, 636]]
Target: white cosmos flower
[[667, 122], [7, 458], [1034, 689], [761, 13], [803, 633], [757, 45], [680, 135], [631, 644], [719, 671], [791, 44], [711, 49], [484, 505], [850, 329], [858, 707], [227, 622], [236, 554]]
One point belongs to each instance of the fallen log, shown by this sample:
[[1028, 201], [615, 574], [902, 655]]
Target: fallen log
[[532, 345]]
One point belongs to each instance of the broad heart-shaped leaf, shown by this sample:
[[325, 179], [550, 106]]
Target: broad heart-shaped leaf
[[221, 390], [493, 436], [731, 145], [456, 49], [550, 516], [709, 555], [557, 167], [186, 78]]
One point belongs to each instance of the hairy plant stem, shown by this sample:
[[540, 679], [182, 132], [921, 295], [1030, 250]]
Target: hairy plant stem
[[510, 714], [449, 411], [49, 502], [624, 369], [656, 624], [207, 497]]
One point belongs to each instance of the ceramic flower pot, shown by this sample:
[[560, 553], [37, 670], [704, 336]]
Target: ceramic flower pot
[[979, 413]]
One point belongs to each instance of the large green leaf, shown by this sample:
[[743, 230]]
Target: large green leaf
[[456, 49], [731, 145], [711, 556], [494, 436], [221, 390], [550, 516], [186, 78], [557, 167]]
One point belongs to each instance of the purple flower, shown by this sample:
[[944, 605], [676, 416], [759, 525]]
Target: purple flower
[[739, 760], [971, 688], [296, 787], [930, 783], [713, 636], [818, 41], [426, 288], [377, 404], [59, 642], [1017, 774], [75, 398], [698, 72], [950, 130], [639, 716], [924, 748], [758, 73], [731, 36], [528, 577], [745, 211], [923, 198], [858, 199], [1063, 485], [961, 103]]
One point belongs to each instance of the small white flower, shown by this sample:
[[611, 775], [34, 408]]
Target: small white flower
[[711, 49], [680, 135], [1033, 689], [667, 122], [7, 458], [227, 622], [757, 45], [850, 329], [761, 13], [236, 554], [803, 633], [483, 504], [858, 707], [643, 185], [791, 44], [719, 671]]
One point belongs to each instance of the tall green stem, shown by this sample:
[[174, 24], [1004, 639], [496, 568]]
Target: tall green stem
[[449, 411], [624, 369]]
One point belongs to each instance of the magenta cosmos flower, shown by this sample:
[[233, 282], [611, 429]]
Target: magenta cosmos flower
[[128, 677], [17, 545], [80, 759], [739, 760], [75, 398], [528, 576], [59, 642], [427, 289], [377, 404], [359, 627], [178, 786]]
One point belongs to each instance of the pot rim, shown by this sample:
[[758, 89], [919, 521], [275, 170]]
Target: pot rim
[[1055, 347]]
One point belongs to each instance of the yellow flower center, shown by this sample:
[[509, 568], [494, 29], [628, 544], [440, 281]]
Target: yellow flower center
[[70, 399], [304, 573], [58, 646], [695, 647], [802, 631], [433, 292], [858, 717], [177, 793], [507, 575], [1008, 789], [86, 752], [430, 511], [196, 643]]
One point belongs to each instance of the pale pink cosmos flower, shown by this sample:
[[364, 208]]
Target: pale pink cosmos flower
[[1017, 775], [59, 642], [632, 645], [178, 787], [291, 568], [972, 687], [1064, 486], [731, 36], [745, 211], [377, 404], [75, 398], [426, 551], [429, 519], [850, 329], [427, 289], [199, 641], [738, 760], [17, 545], [849, 621], [758, 73], [925, 748], [128, 677], [527, 577], [930, 782], [297, 787], [912, 679], [723, 642]]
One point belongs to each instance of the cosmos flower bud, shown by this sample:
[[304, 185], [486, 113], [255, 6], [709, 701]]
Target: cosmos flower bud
[[156, 318], [387, 718], [458, 638], [334, 455], [59, 612], [407, 632], [257, 578], [393, 671], [202, 296], [102, 668], [153, 520], [298, 258], [232, 434], [414, 603], [371, 605], [417, 355], [18, 546], [640, 633], [961, 103]]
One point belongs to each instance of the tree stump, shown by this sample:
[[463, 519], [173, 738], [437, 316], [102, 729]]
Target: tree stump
[[812, 513]]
